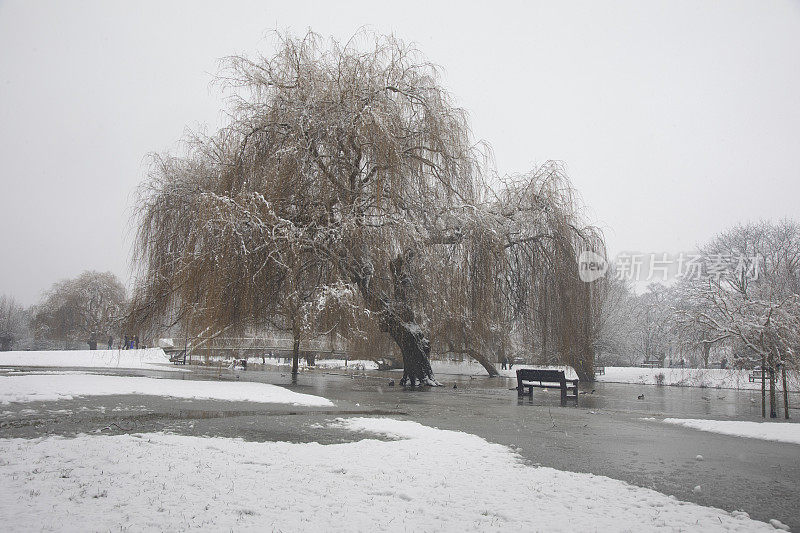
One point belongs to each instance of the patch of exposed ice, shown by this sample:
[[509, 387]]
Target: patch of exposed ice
[[776, 431]]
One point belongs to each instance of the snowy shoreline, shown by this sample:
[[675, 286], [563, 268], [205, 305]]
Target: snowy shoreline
[[771, 431], [146, 359], [713, 378]]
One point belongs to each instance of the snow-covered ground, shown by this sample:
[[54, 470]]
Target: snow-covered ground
[[52, 387], [428, 480], [687, 377], [356, 364], [776, 431], [352, 364], [149, 359], [473, 368]]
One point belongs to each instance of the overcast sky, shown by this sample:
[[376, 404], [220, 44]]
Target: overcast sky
[[675, 119]]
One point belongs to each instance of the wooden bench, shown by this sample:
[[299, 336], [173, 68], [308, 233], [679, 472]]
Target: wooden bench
[[650, 364], [757, 374], [179, 358], [599, 370], [547, 379]]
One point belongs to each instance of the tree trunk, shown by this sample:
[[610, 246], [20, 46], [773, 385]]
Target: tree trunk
[[706, 351], [772, 411], [785, 393], [543, 318], [92, 344], [484, 361], [397, 318], [416, 349], [311, 358], [295, 358], [763, 387]]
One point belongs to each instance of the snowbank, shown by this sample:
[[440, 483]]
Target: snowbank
[[777, 431], [352, 364], [431, 480], [687, 377], [569, 372], [326, 364], [151, 359], [53, 387], [472, 368]]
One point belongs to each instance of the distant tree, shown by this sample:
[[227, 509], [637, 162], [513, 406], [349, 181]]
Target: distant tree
[[352, 163], [749, 296], [694, 336], [616, 321], [13, 322], [654, 318], [84, 309]]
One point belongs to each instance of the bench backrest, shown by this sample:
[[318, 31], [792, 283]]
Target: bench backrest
[[547, 376]]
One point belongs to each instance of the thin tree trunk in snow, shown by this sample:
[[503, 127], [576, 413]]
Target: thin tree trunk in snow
[[295, 357], [772, 399], [763, 387], [785, 393]]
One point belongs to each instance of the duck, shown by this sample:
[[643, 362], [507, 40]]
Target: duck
[[640, 397], [391, 383]]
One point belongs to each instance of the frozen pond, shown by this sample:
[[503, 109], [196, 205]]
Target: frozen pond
[[658, 401], [667, 401]]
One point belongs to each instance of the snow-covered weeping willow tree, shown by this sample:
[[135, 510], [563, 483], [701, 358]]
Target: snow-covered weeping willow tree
[[348, 181]]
